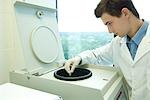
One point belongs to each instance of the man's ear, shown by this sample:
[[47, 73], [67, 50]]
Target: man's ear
[[125, 12]]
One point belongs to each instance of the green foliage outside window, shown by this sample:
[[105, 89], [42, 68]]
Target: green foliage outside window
[[76, 42]]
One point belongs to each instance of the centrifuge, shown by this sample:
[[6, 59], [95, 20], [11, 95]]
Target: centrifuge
[[38, 58]]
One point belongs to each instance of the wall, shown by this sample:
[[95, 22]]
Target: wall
[[78, 16], [6, 43], [142, 7]]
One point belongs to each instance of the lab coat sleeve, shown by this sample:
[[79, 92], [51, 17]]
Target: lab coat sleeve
[[102, 55]]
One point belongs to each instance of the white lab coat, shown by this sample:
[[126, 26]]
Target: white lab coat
[[136, 72]]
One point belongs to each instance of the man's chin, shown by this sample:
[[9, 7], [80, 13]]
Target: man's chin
[[120, 36]]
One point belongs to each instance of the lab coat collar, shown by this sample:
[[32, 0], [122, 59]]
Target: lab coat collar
[[144, 46], [125, 51], [124, 39]]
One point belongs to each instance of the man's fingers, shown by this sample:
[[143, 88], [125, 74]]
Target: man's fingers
[[68, 66]]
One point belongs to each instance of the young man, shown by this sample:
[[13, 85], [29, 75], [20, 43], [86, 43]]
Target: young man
[[129, 50]]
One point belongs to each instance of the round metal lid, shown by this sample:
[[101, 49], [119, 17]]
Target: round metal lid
[[78, 74], [44, 44]]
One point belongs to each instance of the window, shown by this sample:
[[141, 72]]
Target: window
[[79, 28]]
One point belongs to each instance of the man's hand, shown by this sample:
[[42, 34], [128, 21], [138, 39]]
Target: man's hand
[[71, 64]]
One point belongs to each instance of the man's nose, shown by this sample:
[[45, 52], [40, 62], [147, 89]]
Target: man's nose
[[110, 30]]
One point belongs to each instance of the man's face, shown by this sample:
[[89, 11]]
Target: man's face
[[117, 25]]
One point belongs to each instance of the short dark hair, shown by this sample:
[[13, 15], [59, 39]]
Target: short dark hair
[[114, 7]]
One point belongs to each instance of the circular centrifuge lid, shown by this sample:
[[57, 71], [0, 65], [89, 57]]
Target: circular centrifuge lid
[[44, 44], [78, 74]]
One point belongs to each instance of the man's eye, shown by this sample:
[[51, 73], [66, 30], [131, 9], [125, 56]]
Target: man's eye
[[109, 23]]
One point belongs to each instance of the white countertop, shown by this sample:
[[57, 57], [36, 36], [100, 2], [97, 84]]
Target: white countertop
[[10, 91]]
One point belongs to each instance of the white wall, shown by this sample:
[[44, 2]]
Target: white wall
[[78, 15], [143, 7], [6, 44]]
